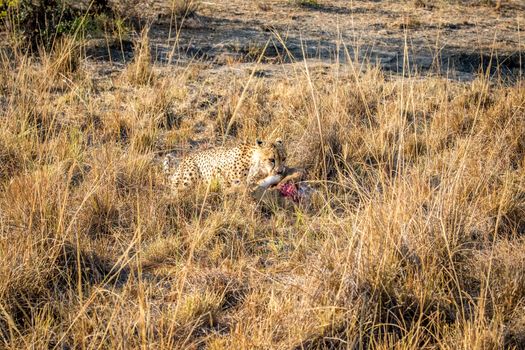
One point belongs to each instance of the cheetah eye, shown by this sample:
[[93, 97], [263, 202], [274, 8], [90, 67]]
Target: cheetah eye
[[272, 160]]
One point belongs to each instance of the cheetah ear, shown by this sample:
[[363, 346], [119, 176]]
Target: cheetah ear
[[259, 143]]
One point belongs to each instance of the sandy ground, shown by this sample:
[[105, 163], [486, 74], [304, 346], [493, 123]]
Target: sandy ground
[[445, 37]]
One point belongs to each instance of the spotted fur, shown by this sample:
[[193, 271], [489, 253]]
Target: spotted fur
[[231, 166]]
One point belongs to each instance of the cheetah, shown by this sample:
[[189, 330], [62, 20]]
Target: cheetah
[[231, 166]]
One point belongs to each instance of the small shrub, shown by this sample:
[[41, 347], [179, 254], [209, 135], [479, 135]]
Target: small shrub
[[41, 22]]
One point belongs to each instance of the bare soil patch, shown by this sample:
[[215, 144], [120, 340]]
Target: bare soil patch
[[452, 38]]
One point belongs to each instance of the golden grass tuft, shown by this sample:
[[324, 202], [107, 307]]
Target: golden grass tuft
[[140, 71], [184, 8]]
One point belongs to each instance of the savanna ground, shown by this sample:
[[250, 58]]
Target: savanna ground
[[414, 239]]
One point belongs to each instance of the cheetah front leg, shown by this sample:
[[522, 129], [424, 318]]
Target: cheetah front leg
[[254, 173]]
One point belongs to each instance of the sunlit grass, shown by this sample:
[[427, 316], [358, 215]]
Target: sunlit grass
[[414, 238]]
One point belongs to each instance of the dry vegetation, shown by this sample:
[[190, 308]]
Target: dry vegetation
[[415, 239]]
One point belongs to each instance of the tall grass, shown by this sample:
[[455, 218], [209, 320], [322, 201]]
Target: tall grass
[[415, 239]]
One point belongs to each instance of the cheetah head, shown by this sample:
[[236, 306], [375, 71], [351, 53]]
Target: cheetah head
[[269, 158]]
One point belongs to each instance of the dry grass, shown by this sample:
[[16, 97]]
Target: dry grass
[[415, 239], [184, 8]]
